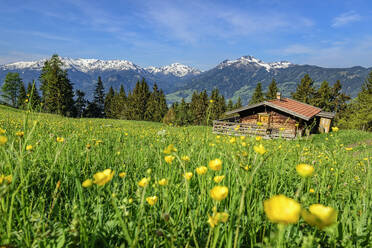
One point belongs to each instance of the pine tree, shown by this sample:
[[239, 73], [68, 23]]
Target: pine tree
[[98, 100], [322, 97], [108, 103], [138, 100], [305, 90], [57, 89], [10, 88], [33, 94], [238, 103], [257, 95], [183, 115], [272, 90], [230, 105], [338, 99], [80, 103], [217, 105], [22, 102], [199, 106]]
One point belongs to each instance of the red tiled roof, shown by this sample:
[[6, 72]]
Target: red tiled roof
[[299, 108]]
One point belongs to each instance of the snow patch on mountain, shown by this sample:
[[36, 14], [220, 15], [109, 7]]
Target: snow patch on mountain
[[250, 60], [176, 69]]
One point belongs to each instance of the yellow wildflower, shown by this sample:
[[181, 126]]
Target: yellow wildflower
[[60, 139], [222, 216], [170, 149], [130, 200], [212, 221], [3, 140], [87, 183], [103, 177], [122, 174], [185, 158], [2, 131], [163, 182], [152, 200], [144, 182], [348, 148], [305, 170], [29, 148], [219, 193], [232, 140], [188, 175], [258, 138], [20, 134], [282, 210], [259, 149], [201, 170], [215, 164], [218, 179], [169, 159], [335, 129], [211, 101], [312, 191], [320, 216]]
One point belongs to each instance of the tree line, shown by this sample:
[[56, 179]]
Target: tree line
[[59, 97]]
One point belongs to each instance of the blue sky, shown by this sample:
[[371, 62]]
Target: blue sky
[[197, 33]]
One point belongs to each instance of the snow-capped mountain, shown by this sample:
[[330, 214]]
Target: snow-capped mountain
[[175, 69], [252, 61], [88, 65]]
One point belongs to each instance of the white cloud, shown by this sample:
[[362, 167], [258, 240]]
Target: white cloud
[[345, 19]]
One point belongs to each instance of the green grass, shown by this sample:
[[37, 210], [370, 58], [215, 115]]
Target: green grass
[[36, 212]]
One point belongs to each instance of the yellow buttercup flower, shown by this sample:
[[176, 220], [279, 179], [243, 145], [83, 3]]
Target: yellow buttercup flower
[[20, 134], [258, 138], [2, 131], [232, 140], [282, 210], [144, 182], [87, 183], [218, 179], [152, 200], [215, 164], [3, 140], [335, 129], [320, 216], [201, 170], [188, 175], [185, 158], [260, 149], [8, 179], [348, 148], [163, 182], [60, 139], [169, 159], [222, 216], [311, 190], [217, 217], [122, 174], [29, 148], [305, 170], [212, 221], [170, 149], [103, 177], [219, 193]]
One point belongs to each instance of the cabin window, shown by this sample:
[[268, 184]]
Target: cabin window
[[264, 118]]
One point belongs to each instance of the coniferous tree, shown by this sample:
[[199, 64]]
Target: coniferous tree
[[10, 88], [305, 90], [257, 95], [121, 104], [238, 103], [109, 103], [322, 97], [138, 100], [338, 99], [22, 102], [217, 105], [272, 90], [183, 115], [199, 106], [230, 105], [56, 87], [80, 103], [98, 104], [33, 94]]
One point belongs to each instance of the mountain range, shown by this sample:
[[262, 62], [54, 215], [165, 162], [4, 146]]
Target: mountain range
[[234, 78]]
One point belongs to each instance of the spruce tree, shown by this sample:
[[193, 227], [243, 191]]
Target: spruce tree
[[338, 99], [98, 100], [57, 89], [22, 102], [183, 115], [108, 103], [80, 103], [217, 105], [199, 106], [322, 97], [238, 103], [230, 105], [10, 88], [257, 95], [33, 94], [305, 90], [138, 100], [272, 90]]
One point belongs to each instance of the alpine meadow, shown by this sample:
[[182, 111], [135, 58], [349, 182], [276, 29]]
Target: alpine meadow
[[195, 124]]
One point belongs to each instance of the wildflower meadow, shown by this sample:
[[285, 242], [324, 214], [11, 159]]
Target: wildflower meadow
[[114, 183]]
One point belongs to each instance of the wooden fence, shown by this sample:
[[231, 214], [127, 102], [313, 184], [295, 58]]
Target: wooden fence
[[244, 129]]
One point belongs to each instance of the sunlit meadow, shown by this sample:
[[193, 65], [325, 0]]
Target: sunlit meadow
[[111, 183]]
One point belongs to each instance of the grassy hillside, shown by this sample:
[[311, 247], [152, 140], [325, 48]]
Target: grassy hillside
[[44, 203]]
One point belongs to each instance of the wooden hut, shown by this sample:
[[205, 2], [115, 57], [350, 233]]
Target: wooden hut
[[281, 117]]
